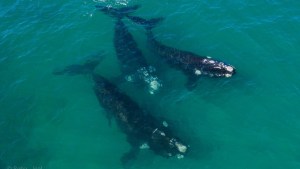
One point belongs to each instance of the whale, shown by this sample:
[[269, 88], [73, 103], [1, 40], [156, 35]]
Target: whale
[[142, 129], [134, 66], [192, 65]]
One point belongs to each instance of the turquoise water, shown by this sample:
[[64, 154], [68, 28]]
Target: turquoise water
[[250, 121]]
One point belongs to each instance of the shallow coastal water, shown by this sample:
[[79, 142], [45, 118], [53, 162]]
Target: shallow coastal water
[[249, 121]]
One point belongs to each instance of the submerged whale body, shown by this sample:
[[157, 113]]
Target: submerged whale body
[[133, 64], [142, 129], [191, 64]]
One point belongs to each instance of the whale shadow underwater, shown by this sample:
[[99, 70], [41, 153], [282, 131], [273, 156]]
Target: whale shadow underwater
[[143, 130], [191, 64], [134, 66]]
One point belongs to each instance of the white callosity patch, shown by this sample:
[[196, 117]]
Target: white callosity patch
[[229, 68], [180, 156], [162, 133], [208, 61], [198, 72], [182, 148], [219, 67], [154, 130], [165, 124], [159, 131]]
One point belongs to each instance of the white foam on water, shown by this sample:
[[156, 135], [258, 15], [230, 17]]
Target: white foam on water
[[144, 146]]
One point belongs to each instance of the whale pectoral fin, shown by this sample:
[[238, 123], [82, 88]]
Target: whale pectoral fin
[[131, 155], [109, 117], [70, 70], [191, 83], [78, 69], [118, 79]]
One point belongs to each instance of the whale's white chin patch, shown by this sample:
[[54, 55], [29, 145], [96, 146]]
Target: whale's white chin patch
[[228, 75]]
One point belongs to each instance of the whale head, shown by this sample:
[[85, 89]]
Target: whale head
[[214, 68], [166, 145]]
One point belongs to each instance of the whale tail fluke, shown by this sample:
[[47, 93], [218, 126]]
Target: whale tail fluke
[[87, 67], [148, 24], [77, 69], [118, 13]]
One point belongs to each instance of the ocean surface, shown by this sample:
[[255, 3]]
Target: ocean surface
[[249, 121]]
